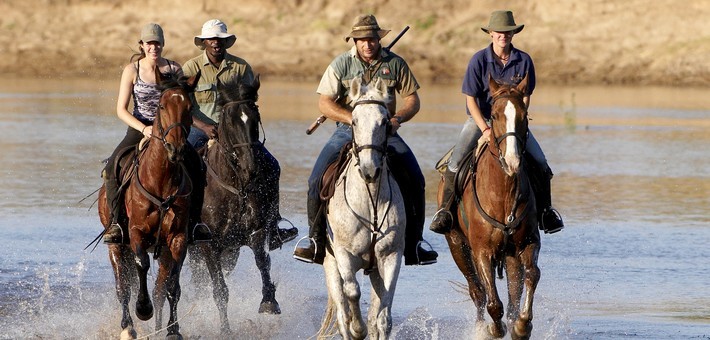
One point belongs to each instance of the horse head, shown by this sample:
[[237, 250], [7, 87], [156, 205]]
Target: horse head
[[509, 131], [239, 123], [174, 120], [370, 126]]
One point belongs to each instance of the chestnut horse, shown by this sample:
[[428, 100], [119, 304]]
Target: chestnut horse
[[157, 205], [241, 198], [496, 220]]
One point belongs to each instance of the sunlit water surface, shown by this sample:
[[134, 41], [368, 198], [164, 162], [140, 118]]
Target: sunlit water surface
[[633, 262]]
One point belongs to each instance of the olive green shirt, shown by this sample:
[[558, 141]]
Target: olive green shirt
[[206, 108], [389, 67]]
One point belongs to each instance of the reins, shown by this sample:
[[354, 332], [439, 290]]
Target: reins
[[183, 190], [375, 226], [522, 188], [232, 155]]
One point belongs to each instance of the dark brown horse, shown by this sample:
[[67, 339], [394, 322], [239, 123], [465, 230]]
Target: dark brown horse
[[497, 221], [157, 205], [241, 198]]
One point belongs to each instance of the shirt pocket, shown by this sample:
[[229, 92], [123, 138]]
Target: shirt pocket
[[205, 93]]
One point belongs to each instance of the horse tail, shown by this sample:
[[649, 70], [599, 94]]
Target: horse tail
[[328, 327]]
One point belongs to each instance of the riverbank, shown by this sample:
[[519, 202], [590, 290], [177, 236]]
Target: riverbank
[[594, 42]]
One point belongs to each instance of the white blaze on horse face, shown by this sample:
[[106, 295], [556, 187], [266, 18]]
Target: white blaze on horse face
[[512, 156], [369, 131], [182, 98]]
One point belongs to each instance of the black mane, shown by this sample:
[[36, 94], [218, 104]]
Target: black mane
[[236, 89], [171, 80]]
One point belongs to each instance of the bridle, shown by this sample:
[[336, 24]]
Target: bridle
[[382, 148], [163, 132], [512, 221], [375, 226], [522, 140], [230, 151]]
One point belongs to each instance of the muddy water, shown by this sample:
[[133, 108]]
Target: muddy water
[[632, 179]]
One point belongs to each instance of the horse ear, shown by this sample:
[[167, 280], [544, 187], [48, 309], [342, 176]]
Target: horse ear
[[256, 83], [355, 85], [523, 86], [158, 75], [192, 81], [381, 87], [492, 85]]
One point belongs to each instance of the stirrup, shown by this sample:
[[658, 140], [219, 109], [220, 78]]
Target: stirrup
[[305, 259], [441, 229], [275, 238], [418, 259], [557, 217], [113, 241], [192, 235]]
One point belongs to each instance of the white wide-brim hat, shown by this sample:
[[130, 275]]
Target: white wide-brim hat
[[215, 29]]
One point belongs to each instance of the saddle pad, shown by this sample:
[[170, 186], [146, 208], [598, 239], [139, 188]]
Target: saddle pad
[[332, 173]]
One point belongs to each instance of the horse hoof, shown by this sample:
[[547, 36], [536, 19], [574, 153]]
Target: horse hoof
[[521, 330], [497, 332], [269, 308], [128, 333], [144, 312], [176, 336]]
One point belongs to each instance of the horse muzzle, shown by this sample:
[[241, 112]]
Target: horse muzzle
[[370, 175], [175, 154]]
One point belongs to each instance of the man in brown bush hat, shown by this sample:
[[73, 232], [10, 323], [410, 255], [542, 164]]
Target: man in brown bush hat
[[368, 60]]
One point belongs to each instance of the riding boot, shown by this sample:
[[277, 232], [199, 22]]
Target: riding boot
[[444, 219], [279, 236], [197, 231], [315, 252], [115, 233], [414, 204], [549, 220]]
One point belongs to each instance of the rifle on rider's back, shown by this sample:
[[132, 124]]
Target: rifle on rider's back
[[322, 118]]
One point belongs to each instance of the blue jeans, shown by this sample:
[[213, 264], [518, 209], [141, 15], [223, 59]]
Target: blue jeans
[[197, 138], [468, 139], [405, 169]]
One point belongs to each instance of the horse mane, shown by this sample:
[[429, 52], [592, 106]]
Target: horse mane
[[507, 89], [171, 80], [374, 90], [235, 89]]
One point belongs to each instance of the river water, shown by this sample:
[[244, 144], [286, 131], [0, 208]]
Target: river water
[[632, 180]]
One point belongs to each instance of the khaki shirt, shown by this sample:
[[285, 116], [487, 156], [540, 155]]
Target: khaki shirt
[[206, 108], [391, 68]]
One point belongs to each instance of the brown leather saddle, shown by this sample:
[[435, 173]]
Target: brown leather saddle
[[332, 173]]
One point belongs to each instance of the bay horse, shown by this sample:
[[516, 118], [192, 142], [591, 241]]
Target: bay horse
[[157, 205], [241, 198], [366, 220], [496, 220]]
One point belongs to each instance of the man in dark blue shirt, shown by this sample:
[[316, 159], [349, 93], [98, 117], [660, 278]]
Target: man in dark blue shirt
[[506, 65]]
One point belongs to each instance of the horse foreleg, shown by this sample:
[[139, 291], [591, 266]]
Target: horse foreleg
[[173, 295], [461, 252], [268, 305], [169, 278], [484, 267], [334, 283], [159, 290], [523, 325], [384, 283], [144, 307], [220, 292], [118, 256], [514, 274], [346, 265]]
